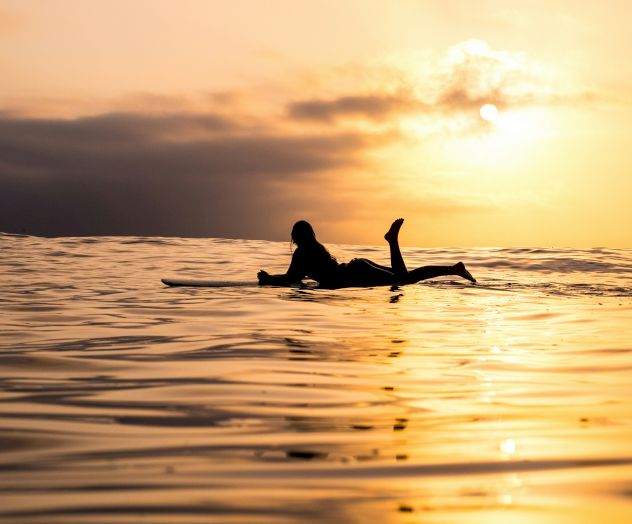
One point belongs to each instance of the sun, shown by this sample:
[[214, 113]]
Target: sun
[[489, 112]]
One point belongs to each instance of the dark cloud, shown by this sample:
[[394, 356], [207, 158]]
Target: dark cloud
[[120, 128], [454, 98], [371, 107], [135, 174], [378, 108], [457, 98]]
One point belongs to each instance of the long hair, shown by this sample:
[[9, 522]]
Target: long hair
[[304, 237]]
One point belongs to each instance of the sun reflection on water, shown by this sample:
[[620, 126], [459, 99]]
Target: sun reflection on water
[[508, 446]]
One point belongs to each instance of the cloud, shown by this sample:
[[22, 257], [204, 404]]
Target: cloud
[[119, 128], [229, 164], [374, 107], [133, 174], [469, 75]]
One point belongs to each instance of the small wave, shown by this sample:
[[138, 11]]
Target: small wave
[[550, 288], [555, 265], [146, 240]]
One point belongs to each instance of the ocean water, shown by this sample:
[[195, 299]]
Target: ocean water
[[123, 400]]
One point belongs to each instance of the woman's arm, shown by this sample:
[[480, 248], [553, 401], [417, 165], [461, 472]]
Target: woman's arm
[[293, 275], [265, 279]]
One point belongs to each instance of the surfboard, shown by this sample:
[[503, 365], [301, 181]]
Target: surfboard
[[208, 283]]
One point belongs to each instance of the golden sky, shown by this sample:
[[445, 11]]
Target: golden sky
[[234, 119]]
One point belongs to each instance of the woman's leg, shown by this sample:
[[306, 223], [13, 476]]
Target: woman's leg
[[364, 272], [425, 272], [397, 261], [421, 273], [385, 268]]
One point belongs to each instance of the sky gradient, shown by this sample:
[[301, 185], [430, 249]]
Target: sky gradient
[[234, 119]]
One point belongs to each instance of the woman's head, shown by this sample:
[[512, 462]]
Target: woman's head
[[304, 237], [303, 233]]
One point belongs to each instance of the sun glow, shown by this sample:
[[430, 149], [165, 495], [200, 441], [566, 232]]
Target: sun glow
[[525, 125], [510, 141]]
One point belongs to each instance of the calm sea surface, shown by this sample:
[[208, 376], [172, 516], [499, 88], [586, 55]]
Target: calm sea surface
[[123, 400]]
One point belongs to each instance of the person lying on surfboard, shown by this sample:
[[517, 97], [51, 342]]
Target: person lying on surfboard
[[312, 259]]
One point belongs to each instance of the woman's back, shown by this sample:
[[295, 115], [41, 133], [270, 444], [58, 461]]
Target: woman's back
[[314, 261]]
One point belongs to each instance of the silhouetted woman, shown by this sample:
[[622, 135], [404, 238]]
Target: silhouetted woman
[[311, 259]]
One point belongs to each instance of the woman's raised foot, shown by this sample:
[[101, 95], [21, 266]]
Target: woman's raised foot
[[392, 234]]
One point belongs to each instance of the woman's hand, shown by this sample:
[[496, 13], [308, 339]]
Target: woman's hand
[[263, 277]]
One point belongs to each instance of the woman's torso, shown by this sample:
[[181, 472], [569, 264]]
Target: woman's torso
[[319, 265]]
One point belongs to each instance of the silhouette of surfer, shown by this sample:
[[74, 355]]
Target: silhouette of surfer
[[311, 259]]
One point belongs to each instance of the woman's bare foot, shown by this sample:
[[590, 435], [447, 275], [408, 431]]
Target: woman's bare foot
[[462, 272], [392, 234]]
